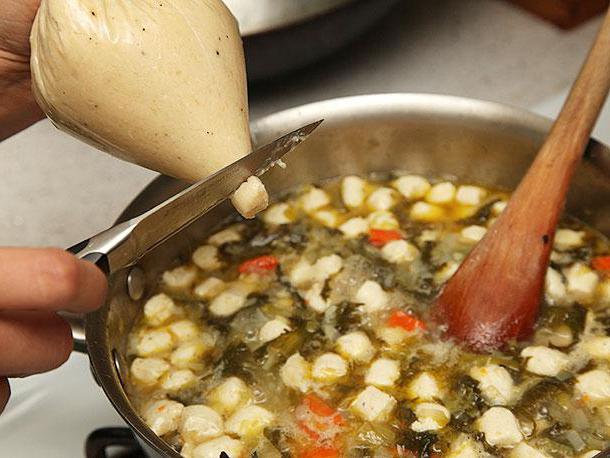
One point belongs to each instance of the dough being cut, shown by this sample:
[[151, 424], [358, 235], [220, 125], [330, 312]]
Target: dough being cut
[[158, 83], [250, 198]]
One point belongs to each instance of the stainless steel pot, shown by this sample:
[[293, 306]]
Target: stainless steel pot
[[284, 35], [429, 134], [264, 16]]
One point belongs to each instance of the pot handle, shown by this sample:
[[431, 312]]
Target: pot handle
[[76, 320], [77, 323]]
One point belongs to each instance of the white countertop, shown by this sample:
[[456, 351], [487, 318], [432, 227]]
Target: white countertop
[[57, 191]]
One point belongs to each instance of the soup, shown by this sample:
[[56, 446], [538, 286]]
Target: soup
[[307, 333]]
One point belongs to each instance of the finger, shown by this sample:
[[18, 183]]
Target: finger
[[33, 342], [49, 279], [5, 393]]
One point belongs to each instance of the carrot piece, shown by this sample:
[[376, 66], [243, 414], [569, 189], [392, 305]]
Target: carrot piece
[[318, 407], [379, 237], [601, 263], [321, 452], [317, 419], [400, 319], [310, 432], [259, 265]]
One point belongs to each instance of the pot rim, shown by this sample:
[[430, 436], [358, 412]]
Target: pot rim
[[335, 111], [393, 103], [294, 14]]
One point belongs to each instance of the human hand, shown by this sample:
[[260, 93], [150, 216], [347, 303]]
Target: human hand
[[18, 108], [35, 283], [16, 17]]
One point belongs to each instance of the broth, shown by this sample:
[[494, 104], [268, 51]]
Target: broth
[[306, 333]]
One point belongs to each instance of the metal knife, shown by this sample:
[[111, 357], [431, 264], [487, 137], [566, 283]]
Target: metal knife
[[124, 244]]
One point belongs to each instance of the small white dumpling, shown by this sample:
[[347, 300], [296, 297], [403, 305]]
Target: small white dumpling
[[412, 186], [206, 257], [296, 373], [500, 427], [179, 380], [154, 342], [148, 371], [314, 199], [190, 353], [199, 423], [229, 396], [356, 346], [373, 405], [329, 367], [495, 383], [228, 302], [229, 235], [278, 214], [353, 191], [381, 199], [431, 416], [183, 330], [163, 416], [372, 295], [383, 373], [250, 198], [424, 387], [249, 421], [159, 308], [214, 448], [210, 288], [272, 329], [181, 277]]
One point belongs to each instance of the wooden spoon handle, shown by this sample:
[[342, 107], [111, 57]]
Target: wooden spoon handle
[[495, 294], [572, 129], [543, 190]]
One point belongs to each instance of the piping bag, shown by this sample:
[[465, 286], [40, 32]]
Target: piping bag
[[161, 84]]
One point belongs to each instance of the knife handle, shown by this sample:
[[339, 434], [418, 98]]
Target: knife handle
[[109, 250], [95, 257], [77, 320]]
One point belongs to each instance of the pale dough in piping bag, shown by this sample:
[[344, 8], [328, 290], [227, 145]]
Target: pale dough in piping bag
[[158, 83]]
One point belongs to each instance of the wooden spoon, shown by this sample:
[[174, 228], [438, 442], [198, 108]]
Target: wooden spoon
[[495, 294]]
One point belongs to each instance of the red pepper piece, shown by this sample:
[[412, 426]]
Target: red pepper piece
[[601, 263], [379, 237], [321, 452], [259, 265], [400, 319]]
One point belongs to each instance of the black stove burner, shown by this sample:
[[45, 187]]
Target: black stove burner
[[121, 440]]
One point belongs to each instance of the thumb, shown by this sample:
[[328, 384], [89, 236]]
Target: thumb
[[5, 393]]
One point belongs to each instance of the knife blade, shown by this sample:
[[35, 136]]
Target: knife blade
[[127, 242]]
